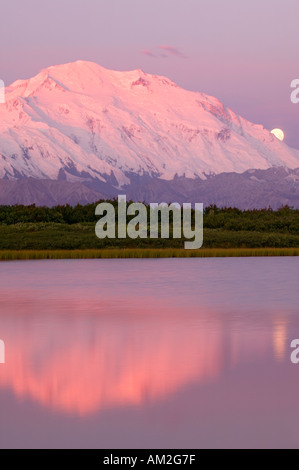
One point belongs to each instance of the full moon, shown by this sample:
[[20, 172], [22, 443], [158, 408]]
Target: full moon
[[279, 134]]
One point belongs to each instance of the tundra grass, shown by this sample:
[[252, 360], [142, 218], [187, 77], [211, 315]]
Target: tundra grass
[[59, 240], [10, 255], [55, 236]]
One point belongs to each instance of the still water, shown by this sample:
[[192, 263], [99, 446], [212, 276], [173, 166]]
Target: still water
[[173, 353]]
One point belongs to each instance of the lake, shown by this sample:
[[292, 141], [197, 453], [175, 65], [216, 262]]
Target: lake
[[157, 353]]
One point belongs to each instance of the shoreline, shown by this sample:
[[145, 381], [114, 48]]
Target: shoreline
[[112, 253]]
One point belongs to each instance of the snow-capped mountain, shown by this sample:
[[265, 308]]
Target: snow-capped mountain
[[82, 122]]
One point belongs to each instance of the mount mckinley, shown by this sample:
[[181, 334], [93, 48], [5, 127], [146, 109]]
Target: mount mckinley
[[78, 133]]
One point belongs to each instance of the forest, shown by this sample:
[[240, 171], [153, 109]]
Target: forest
[[73, 227]]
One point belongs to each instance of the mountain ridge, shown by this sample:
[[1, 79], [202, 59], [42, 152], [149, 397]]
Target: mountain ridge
[[253, 189]]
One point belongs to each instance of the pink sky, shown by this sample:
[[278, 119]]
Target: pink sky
[[244, 53]]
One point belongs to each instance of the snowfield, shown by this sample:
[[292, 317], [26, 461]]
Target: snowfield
[[80, 121]]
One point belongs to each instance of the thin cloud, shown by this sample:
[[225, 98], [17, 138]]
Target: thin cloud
[[168, 51], [171, 50], [148, 53]]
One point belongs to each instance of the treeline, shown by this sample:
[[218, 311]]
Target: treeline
[[285, 219]]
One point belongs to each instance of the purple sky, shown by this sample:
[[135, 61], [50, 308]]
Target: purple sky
[[243, 52]]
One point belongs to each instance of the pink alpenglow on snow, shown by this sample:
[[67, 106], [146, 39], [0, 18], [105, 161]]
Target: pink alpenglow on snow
[[99, 123]]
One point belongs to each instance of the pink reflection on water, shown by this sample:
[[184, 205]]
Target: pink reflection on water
[[83, 341], [79, 362], [87, 363]]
